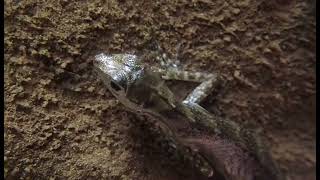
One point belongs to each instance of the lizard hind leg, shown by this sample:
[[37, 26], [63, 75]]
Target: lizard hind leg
[[203, 90]]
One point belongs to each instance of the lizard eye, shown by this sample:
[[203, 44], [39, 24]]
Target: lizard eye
[[115, 86]]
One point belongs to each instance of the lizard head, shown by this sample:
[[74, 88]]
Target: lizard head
[[117, 71], [129, 81]]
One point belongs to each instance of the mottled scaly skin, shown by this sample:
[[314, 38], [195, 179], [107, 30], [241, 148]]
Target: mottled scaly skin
[[142, 90]]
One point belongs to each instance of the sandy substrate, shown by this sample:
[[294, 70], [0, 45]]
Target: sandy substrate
[[62, 123]]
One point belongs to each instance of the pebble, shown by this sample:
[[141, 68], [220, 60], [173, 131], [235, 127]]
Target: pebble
[[23, 104], [56, 145], [96, 139], [78, 89], [248, 34], [267, 50], [257, 38], [91, 89], [236, 11], [54, 100], [227, 38], [27, 79], [103, 139], [266, 37], [64, 65], [45, 103], [236, 73], [27, 169]]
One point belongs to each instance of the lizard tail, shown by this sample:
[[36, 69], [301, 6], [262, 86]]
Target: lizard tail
[[248, 139]]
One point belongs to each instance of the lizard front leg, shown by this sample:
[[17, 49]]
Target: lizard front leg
[[208, 81]]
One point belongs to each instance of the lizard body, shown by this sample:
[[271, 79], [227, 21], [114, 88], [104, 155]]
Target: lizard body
[[142, 89]]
